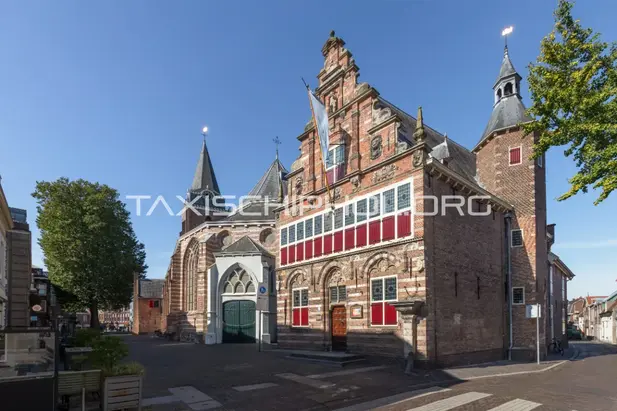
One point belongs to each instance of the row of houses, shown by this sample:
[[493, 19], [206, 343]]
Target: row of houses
[[595, 316]]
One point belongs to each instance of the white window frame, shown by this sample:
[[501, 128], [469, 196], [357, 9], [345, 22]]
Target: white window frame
[[338, 298], [332, 150], [512, 238], [512, 296], [378, 193], [520, 156], [541, 161], [383, 311], [300, 306]]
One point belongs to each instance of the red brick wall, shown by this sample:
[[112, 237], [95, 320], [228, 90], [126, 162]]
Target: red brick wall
[[462, 250], [523, 186], [149, 318]]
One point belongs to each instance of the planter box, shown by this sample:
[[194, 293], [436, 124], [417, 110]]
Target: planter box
[[122, 392]]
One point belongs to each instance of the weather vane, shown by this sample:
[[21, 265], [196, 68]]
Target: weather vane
[[277, 143], [204, 131], [505, 32]]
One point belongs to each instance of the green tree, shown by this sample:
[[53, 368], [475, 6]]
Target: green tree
[[88, 242], [573, 91]]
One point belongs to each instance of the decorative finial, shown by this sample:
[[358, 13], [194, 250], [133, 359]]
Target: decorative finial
[[445, 136], [204, 132], [332, 33], [277, 143], [419, 133]]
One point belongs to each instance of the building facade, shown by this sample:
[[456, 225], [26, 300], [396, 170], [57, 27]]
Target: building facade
[[6, 224], [416, 246], [19, 264], [343, 273], [147, 306]]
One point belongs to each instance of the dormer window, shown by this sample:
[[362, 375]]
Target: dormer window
[[507, 89]]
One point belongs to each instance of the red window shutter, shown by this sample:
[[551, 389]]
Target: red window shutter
[[377, 314], [338, 241], [390, 314], [515, 155], [327, 244], [283, 255], [150, 303], [308, 249], [300, 252], [350, 240], [361, 235], [318, 243], [374, 235], [403, 224], [292, 254], [304, 311], [296, 317], [387, 232]]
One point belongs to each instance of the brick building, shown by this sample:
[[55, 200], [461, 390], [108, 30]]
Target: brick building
[[343, 273], [390, 266], [220, 259], [147, 306]]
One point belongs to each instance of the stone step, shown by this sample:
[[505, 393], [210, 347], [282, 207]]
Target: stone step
[[326, 357]]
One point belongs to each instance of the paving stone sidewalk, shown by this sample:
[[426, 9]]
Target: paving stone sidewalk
[[502, 368]]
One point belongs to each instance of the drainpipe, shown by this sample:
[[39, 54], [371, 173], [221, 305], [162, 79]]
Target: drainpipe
[[508, 223]]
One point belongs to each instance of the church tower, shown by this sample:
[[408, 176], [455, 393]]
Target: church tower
[[202, 192], [505, 168]]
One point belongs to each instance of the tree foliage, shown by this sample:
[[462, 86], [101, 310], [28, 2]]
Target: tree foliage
[[88, 242], [573, 91]]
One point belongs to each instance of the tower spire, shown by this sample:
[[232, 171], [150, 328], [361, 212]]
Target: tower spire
[[204, 178]]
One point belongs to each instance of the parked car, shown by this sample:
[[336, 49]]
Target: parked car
[[574, 333]]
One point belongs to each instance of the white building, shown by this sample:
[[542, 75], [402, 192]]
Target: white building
[[242, 274], [608, 319]]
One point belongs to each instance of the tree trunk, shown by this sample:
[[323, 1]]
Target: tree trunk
[[94, 316]]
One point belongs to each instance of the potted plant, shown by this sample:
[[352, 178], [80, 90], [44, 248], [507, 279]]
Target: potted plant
[[122, 383]]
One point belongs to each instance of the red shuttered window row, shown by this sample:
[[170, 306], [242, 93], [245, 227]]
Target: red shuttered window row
[[373, 219]]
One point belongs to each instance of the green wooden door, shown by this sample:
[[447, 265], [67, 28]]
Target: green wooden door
[[239, 322]]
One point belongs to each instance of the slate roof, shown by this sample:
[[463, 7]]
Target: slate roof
[[204, 178], [507, 68], [244, 245], [151, 288], [271, 184], [508, 112]]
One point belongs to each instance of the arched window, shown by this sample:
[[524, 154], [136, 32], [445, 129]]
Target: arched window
[[190, 270], [507, 89], [498, 94], [239, 282]]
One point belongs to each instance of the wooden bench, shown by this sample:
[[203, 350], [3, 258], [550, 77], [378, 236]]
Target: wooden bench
[[79, 383]]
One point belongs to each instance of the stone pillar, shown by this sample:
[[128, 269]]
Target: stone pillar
[[409, 310], [211, 336]]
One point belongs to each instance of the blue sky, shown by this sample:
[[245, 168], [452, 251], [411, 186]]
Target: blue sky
[[118, 92]]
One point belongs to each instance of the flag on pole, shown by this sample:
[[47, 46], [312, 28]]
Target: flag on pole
[[321, 119], [320, 116]]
